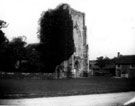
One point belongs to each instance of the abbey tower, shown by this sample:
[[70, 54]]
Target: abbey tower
[[78, 63]]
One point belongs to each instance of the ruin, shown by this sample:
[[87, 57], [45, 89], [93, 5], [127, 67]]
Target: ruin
[[78, 62]]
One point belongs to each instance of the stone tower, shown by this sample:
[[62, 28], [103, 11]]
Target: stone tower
[[78, 62]]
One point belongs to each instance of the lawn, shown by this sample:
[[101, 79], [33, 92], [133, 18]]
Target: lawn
[[22, 88]]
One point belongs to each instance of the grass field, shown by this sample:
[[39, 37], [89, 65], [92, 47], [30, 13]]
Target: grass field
[[22, 88]]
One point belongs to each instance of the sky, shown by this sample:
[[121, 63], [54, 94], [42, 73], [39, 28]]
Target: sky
[[110, 23]]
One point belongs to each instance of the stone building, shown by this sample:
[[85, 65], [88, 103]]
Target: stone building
[[125, 66], [78, 62]]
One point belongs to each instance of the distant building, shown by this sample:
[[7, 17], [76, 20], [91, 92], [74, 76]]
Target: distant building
[[79, 62], [125, 66], [93, 67]]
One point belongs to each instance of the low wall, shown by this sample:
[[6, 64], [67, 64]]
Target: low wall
[[16, 75]]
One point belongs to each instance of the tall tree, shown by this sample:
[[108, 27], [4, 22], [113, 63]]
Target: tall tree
[[3, 47], [102, 62], [33, 58], [56, 36], [17, 51]]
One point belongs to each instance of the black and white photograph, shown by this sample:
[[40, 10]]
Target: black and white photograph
[[67, 53]]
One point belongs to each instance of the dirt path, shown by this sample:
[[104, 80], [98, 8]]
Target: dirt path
[[112, 99]]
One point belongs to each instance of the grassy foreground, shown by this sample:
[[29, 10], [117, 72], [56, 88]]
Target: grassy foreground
[[22, 88]]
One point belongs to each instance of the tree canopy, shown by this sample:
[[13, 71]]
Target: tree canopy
[[3, 24], [101, 61], [3, 47], [3, 39], [17, 51], [56, 36]]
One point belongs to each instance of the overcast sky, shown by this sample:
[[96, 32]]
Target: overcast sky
[[110, 23]]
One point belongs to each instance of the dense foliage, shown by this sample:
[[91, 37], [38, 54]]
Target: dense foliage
[[56, 44], [56, 37], [104, 61], [3, 47], [3, 39], [17, 52]]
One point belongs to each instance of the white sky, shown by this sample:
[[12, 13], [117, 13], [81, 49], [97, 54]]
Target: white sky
[[110, 23]]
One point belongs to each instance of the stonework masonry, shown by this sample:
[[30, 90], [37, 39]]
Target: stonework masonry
[[78, 63]]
